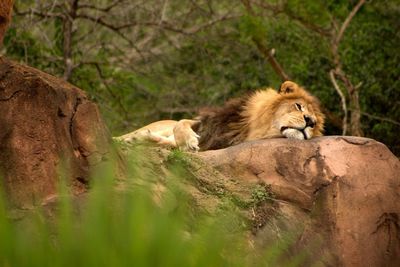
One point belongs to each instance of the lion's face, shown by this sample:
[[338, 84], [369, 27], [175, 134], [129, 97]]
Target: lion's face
[[298, 114], [297, 119], [291, 112]]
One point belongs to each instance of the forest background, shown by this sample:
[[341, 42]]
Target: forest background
[[146, 60]]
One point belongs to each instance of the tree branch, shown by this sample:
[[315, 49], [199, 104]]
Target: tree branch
[[106, 24], [106, 85], [31, 11], [342, 100], [102, 9], [380, 118], [352, 90], [264, 50], [281, 8], [348, 20], [269, 55], [346, 23]]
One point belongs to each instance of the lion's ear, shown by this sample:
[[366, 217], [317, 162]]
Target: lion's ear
[[288, 87]]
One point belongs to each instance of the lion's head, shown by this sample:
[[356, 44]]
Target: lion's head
[[291, 112]]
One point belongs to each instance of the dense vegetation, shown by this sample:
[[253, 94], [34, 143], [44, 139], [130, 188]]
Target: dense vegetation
[[147, 60], [148, 219]]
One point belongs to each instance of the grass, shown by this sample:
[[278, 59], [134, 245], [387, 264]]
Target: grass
[[134, 225]]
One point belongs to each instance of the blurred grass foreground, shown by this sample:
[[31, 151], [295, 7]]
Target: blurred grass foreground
[[147, 219]]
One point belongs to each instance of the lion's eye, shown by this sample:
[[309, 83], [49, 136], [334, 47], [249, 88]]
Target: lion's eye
[[298, 107]]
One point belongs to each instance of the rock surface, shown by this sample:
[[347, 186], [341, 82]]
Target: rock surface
[[46, 125], [5, 16], [342, 192]]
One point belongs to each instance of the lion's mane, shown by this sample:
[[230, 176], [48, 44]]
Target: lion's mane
[[252, 116]]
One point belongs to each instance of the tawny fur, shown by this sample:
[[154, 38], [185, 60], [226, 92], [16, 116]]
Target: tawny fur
[[291, 112], [185, 138], [264, 114], [169, 133], [160, 132]]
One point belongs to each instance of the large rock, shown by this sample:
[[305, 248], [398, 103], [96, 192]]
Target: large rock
[[47, 128], [5, 16], [342, 192]]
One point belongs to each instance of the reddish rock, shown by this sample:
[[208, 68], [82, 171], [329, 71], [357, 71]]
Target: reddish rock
[[47, 126], [5, 16], [344, 192]]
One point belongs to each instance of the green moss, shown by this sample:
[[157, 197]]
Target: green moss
[[261, 194]]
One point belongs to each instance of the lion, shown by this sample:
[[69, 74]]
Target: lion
[[290, 112]]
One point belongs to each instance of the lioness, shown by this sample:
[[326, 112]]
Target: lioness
[[291, 112]]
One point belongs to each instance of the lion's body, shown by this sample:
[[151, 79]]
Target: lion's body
[[291, 112], [168, 133], [164, 128]]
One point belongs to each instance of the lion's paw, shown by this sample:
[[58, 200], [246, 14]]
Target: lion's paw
[[293, 133], [185, 138]]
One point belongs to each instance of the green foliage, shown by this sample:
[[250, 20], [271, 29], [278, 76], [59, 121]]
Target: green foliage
[[130, 224], [252, 27], [178, 157], [261, 194], [24, 45], [375, 65], [177, 73]]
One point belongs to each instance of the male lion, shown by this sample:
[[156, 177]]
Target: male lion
[[291, 112]]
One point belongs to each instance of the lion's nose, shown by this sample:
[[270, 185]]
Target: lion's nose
[[309, 121]]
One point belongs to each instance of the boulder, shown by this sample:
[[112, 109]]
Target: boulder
[[5, 16], [343, 193], [48, 128]]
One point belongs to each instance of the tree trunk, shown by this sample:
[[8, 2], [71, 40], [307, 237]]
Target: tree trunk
[[68, 24], [355, 118]]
